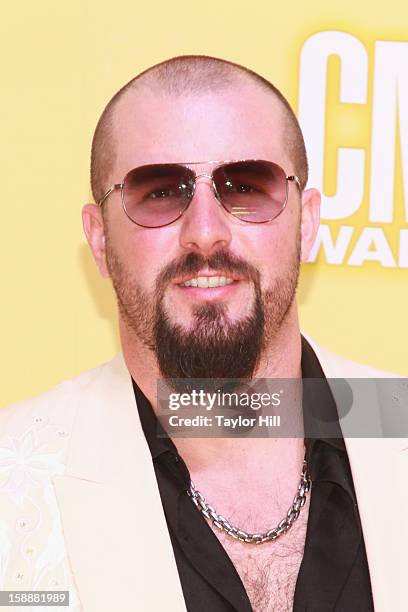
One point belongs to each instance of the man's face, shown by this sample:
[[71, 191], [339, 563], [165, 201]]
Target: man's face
[[193, 331]]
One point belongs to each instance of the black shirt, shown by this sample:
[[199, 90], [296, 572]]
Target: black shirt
[[333, 574]]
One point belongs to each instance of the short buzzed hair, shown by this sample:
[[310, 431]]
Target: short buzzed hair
[[188, 74]]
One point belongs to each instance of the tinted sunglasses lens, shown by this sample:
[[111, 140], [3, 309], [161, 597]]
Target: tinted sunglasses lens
[[252, 190], [157, 194]]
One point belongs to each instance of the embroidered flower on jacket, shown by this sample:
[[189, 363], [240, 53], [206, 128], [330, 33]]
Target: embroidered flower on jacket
[[23, 466]]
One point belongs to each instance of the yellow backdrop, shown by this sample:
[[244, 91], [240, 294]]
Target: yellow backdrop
[[343, 65]]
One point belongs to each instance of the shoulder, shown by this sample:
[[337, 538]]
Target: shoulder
[[58, 405], [337, 366]]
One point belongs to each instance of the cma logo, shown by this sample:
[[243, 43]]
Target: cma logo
[[389, 126]]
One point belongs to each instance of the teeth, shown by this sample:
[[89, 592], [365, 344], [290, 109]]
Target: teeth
[[207, 281], [216, 281]]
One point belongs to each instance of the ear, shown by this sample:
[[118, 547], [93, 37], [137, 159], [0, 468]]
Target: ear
[[94, 229], [310, 220]]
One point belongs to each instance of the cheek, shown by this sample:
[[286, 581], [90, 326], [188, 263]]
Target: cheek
[[272, 249], [145, 252]]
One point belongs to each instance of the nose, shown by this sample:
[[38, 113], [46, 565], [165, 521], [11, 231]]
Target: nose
[[205, 226]]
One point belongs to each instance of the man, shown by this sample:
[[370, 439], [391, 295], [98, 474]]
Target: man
[[202, 242]]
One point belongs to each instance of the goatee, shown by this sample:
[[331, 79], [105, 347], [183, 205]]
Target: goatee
[[214, 348]]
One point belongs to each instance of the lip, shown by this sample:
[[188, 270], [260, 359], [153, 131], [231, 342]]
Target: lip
[[208, 273], [208, 294]]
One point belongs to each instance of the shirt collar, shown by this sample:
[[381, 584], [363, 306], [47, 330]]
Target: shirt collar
[[156, 437], [318, 400]]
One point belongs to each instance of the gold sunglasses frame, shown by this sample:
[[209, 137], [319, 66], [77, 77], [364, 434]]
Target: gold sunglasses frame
[[292, 178]]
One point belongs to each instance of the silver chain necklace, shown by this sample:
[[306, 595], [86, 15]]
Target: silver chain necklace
[[255, 538]]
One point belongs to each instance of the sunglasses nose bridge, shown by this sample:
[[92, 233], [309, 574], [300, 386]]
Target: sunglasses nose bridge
[[209, 176], [210, 182]]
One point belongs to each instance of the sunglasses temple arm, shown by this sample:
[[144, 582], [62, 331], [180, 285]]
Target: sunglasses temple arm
[[294, 178], [110, 190]]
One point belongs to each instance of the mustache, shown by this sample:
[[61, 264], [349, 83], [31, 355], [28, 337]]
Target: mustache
[[194, 262]]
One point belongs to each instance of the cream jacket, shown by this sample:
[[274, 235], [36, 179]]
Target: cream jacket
[[80, 507]]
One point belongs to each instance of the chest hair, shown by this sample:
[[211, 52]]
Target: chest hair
[[269, 571]]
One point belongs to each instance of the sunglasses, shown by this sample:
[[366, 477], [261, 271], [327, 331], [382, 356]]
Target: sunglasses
[[155, 195]]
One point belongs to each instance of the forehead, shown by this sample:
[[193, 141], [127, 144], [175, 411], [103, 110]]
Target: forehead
[[239, 123]]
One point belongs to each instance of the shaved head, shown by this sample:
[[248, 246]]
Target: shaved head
[[178, 77]]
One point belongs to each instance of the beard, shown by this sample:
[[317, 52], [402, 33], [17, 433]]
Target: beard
[[214, 347]]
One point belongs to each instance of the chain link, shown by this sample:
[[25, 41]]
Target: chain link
[[255, 538]]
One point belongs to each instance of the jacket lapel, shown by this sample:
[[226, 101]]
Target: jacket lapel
[[114, 526], [379, 467]]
